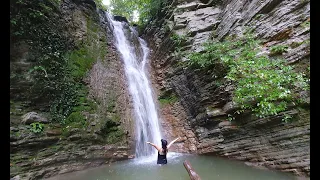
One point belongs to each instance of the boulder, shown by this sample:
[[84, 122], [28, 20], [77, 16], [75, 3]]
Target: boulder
[[13, 129], [120, 18], [55, 132], [17, 177], [225, 123], [32, 117], [214, 112], [229, 107], [75, 137]]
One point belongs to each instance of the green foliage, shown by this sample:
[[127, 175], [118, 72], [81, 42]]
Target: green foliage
[[80, 62], [39, 68], [215, 53], [258, 16], [263, 86], [287, 118], [124, 8], [178, 39], [27, 15], [296, 44], [230, 117], [167, 99], [306, 24], [59, 67], [75, 117], [111, 105], [83, 103], [218, 82], [82, 59], [32, 22], [111, 130], [279, 49], [100, 5], [147, 9], [36, 127], [115, 135]]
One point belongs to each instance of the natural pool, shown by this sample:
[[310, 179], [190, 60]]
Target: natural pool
[[208, 167]]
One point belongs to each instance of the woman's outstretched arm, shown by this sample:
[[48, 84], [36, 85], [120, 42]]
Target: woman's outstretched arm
[[172, 142], [157, 147]]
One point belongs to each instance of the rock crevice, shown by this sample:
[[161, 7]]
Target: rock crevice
[[206, 101]]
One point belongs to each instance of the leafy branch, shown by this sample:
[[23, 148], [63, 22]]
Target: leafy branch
[[263, 86]]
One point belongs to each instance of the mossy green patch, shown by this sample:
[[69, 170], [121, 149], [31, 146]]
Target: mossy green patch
[[167, 97], [76, 117], [278, 50], [296, 44], [116, 134], [80, 62], [306, 24], [60, 64]]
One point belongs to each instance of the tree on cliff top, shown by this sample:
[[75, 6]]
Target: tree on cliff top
[[139, 11]]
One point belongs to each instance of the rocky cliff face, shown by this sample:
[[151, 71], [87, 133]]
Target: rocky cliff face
[[199, 114], [105, 135]]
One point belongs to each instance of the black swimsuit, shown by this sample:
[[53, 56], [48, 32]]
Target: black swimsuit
[[162, 159]]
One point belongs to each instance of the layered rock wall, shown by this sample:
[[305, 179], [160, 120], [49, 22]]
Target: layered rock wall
[[60, 148], [204, 103]]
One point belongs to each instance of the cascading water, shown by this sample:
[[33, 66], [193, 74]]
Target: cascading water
[[135, 57]]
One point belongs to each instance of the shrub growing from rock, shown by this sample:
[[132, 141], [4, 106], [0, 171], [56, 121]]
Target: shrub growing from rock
[[263, 85]]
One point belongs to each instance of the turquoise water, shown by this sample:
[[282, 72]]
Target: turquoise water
[[208, 167]]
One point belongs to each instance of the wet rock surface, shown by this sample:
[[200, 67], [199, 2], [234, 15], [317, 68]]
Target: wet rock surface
[[59, 148], [33, 117], [199, 115], [37, 156], [205, 101]]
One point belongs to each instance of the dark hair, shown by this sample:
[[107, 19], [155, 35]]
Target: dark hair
[[164, 144]]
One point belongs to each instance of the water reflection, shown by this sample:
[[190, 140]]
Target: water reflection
[[208, 167]]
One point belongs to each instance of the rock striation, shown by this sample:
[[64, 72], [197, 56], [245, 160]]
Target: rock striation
[[200, 114], [59, 149]]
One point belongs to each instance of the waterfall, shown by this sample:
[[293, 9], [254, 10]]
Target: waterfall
[[134, 53]]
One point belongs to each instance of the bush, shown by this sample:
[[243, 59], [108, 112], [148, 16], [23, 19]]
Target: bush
[[263, 86], [178, 39], [75, 117], [275, 50], [36, 127]]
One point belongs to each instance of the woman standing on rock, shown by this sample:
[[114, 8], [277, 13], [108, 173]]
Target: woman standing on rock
[[162, 152]]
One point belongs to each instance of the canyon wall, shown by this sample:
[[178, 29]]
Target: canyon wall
[[99, 129], [201, 104]]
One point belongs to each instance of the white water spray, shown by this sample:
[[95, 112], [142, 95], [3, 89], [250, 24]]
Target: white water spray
[[135, 59]]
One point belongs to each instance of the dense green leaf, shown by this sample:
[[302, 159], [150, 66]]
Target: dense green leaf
[[263, 85]]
